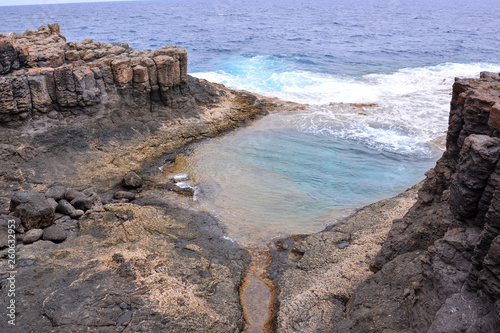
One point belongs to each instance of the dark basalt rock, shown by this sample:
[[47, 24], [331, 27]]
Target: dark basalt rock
[[439, 269], [32, 236], [85, 202], [33, 209], [55, 234], [124, 195], [132, 180], [64, 207], [56, 192]]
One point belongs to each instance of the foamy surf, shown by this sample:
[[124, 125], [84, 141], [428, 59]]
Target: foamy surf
[[399, 112]]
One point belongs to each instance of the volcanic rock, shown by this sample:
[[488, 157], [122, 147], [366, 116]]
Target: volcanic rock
[[54, 233], [33, 209], [32, 236], [132, 180]]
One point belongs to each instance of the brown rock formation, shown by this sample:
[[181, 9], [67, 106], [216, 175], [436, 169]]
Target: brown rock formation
[[41, 73]]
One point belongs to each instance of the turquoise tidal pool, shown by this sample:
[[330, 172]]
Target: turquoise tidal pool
[[275, 178]]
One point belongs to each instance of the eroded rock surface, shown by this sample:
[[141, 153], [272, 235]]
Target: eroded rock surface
[[44, 76]]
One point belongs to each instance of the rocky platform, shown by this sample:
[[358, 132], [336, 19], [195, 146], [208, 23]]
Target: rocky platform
[[439, 268]]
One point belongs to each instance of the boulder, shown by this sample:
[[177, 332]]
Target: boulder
[[56, 192], [33, 209]]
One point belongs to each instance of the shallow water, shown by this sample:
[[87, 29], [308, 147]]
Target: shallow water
[[274, 178]]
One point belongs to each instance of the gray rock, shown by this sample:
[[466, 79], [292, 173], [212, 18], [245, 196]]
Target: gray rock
[[72, 194], [52, 202], [55, 234], [124, 195], [65, 207], [85, 202], [56, 192], [77, 213], [32, 236], [33, 209], [132, 180]]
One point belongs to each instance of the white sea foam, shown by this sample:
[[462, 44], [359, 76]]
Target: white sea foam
[[411, 105]]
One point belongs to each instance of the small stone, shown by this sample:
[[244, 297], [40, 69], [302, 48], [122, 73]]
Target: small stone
[[32, 236], [64, 207], [124, 195], [55, 234], [77, 213], [84, 203], [56, 192], [132, 180]]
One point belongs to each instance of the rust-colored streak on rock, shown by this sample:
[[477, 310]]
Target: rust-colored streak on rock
[[258, 293]]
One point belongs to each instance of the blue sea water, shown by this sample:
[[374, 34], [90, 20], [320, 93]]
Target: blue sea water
[[375, 77]]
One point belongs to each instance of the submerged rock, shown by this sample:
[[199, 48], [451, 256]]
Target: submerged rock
[[181, 177]]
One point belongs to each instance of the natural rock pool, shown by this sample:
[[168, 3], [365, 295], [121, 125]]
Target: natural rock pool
[[278, 177]]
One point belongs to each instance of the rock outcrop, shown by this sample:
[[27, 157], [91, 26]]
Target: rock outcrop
[[43, 75], [439, 268]]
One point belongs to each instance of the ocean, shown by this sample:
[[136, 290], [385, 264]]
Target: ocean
[[375, 78]]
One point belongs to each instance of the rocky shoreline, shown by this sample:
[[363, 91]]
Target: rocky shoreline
[[133, 261], [103, 245]]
